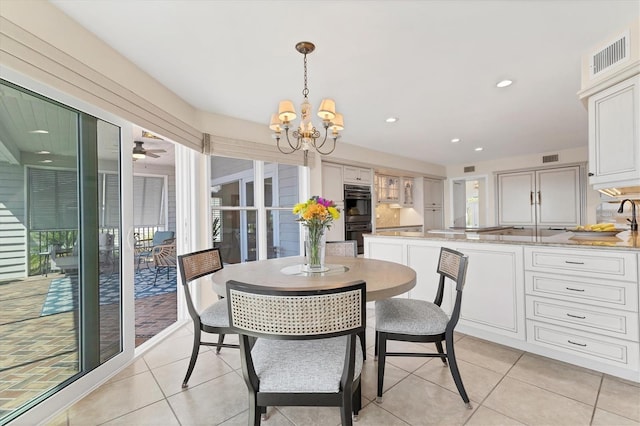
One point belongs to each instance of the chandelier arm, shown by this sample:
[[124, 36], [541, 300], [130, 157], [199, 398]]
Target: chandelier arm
[[332, 148], [294, 148]]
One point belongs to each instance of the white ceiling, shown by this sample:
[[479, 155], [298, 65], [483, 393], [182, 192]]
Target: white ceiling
[[433, 64]]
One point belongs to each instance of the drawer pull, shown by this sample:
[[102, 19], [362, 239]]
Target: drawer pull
[[574, 289], [577, 344], [573, 262], [576, 316]]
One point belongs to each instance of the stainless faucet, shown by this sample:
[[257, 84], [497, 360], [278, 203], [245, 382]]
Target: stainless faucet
[[634, 223]]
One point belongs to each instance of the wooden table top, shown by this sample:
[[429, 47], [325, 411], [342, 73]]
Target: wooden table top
[[384, 279]]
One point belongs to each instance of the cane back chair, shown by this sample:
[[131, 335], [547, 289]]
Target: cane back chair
[[299, 348], [413, 320], [214, 319]]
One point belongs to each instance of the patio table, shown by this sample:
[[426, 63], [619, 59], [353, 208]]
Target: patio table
[[384, 279]]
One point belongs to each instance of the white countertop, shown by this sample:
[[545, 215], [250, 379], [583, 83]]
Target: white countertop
[[624, 240]]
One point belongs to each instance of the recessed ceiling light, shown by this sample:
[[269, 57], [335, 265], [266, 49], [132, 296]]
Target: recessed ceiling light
[[39, 132], [43, 152], [392, 119], [479, 148], [46, 161], [455, 140], [504, 83]]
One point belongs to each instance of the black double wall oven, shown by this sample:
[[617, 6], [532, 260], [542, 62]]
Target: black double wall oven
[[357, 213]]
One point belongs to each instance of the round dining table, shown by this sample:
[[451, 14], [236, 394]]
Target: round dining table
[[384, 279]]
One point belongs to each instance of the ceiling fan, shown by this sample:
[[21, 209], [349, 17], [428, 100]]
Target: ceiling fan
[[139, 152]]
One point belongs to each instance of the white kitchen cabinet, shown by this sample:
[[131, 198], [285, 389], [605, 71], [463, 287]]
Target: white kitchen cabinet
[[546, 197], [357, 175], [614, 135], [584, 305], [433, 218], [388, 189], [332, 182], [493, 297], [333, 189], [433, 193], [407, 192]]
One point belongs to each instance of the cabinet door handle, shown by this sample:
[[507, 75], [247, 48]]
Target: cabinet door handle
[[539, 198], [576, 316], [574, 289], [573, 262], [590, 174], [577, 344], [531, 197]]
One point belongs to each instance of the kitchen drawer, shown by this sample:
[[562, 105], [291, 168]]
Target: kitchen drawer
[[607, 350], [610, 322], [614, 265], [606, 293]]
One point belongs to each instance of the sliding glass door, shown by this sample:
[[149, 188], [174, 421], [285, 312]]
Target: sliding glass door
[[60, 240]]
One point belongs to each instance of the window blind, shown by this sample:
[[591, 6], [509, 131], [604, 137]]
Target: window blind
[[148, 201], [237, 148], [53, 199]]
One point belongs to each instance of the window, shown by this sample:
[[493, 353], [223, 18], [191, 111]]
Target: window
[[234, 186]]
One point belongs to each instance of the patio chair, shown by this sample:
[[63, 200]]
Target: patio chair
[[413, 320], [213, 319], [164, 256], [144, 252], [66, 261], [299, 348]]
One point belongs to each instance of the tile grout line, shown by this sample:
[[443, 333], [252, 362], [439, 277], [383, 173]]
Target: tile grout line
[[595, 403]]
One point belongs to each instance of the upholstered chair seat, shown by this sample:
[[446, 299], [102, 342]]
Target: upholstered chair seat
[[307, 366], [410, 316]]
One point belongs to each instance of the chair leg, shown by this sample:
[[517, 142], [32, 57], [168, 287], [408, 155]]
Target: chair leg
[[254, 410], [220, 342], [194, 357], [363, 344], [357, 401], [382, 355], [441, 352], [156, 277], [347, 407], [375, 347], [453, 366]]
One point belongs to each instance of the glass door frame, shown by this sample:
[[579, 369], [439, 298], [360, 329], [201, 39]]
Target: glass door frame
[[85, 383]]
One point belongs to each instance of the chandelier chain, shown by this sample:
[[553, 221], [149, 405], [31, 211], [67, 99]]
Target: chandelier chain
[[305, 91]]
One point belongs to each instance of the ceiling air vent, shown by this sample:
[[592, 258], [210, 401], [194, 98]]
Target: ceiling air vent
[[469, 169], [612, 54], [549, 158]]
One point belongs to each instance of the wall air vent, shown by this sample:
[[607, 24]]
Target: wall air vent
[[549, 158], [469, 169], [611, 55]]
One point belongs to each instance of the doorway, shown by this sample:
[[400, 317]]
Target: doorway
[[469, 202]]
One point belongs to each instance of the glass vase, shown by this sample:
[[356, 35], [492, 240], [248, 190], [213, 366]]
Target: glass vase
[[315, 241]]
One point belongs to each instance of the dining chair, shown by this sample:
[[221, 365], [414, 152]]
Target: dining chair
[[413, 320], [348, 248], [214, 319], [299, 348]]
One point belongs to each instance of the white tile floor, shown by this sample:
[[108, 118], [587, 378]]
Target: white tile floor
[[506, 387]]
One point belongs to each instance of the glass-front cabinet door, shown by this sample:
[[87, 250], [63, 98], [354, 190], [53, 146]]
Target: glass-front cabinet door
[[60, 239]]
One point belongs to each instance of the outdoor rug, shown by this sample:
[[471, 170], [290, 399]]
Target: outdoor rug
[[63, 292]]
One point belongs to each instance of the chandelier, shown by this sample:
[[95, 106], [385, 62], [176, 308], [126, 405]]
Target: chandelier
[[306, 135]]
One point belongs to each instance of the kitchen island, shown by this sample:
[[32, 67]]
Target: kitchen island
[[567, 296]]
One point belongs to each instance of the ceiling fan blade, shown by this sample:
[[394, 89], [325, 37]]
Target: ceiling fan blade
[[155, 150], [152, 155]]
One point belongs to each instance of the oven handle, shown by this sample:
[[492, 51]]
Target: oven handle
[[357, 196], [352, 227]]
